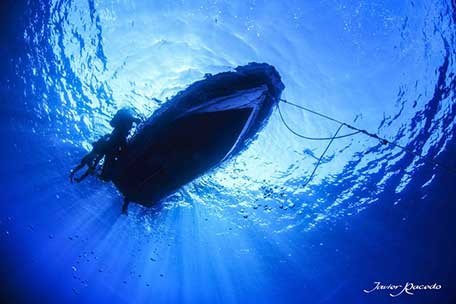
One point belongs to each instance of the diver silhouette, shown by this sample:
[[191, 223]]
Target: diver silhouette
[[91, 160], [110, 147]]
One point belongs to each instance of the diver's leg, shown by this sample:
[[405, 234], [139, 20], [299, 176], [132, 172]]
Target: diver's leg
[[126, 201], [74, 170], [84, 161], [87, 173]]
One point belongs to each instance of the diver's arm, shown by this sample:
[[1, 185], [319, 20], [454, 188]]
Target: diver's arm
[[84, 161]]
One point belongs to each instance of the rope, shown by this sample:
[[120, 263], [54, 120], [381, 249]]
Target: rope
[[382, 140], [311, 111], [312, 138], [321, 156]]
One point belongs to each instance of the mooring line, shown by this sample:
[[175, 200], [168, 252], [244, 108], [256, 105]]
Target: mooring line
[[308, 137], [321, 156], [382, 140]]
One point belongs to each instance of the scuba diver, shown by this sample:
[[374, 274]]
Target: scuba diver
[[122, 123], [110, 147]]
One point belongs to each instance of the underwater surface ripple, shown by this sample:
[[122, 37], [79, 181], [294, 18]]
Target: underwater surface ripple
[[244, 229]]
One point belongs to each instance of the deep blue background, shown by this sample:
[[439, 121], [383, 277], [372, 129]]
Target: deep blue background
[[246, 232]]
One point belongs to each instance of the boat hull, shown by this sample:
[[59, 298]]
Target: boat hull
[[198, 129]]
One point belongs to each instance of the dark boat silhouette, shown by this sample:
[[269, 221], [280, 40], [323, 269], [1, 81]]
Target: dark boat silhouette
[[199, 128]]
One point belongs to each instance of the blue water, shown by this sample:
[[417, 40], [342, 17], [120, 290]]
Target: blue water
[[247, 232]]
